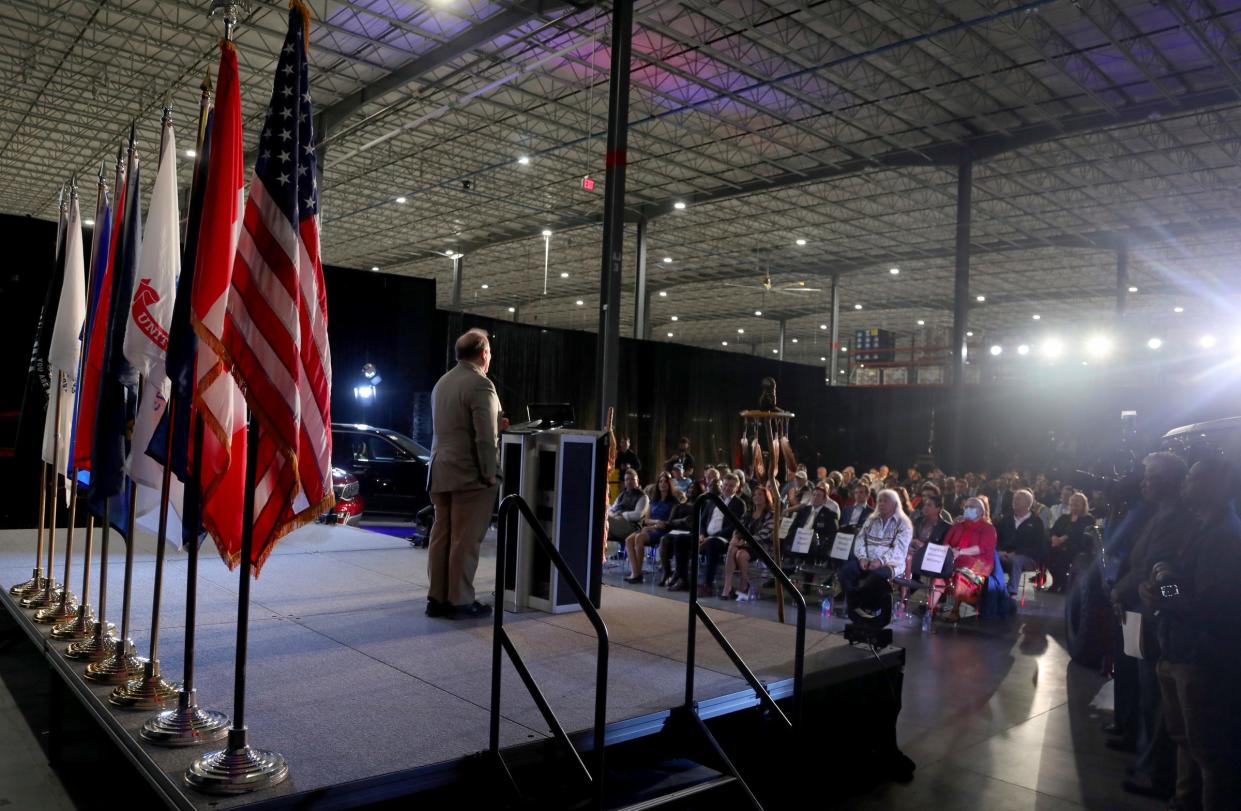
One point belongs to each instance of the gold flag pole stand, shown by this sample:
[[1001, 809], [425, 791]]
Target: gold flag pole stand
[[66, 608], [239, 768], [36, 582], [50, 594], [83, 623], [101, 642]]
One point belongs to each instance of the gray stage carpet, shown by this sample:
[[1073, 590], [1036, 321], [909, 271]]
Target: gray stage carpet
[[349, 680]]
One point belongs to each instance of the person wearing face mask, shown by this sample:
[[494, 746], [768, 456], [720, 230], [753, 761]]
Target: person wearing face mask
[[972, 540], [878, 552]]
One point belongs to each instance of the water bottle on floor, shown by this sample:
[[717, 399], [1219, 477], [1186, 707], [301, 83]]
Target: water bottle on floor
[[898, 610], [926, 621], [826, 611]]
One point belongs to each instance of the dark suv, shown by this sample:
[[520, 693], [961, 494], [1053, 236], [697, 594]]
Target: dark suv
[[391, 468]]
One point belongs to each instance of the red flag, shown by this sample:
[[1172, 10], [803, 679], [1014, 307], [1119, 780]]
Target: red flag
[[276, 332], [216, 399], [97, 325]]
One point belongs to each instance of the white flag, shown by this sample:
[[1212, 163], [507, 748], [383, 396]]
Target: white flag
[[65, 348], [146, 331]]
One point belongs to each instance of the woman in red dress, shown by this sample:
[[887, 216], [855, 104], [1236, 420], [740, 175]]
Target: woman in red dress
[[972, 540]]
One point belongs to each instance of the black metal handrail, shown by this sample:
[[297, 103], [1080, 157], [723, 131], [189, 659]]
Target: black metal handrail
[[697, 612], [510, 507]]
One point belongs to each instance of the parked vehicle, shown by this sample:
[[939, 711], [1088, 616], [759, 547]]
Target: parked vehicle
[[391, 468], [349, 501]]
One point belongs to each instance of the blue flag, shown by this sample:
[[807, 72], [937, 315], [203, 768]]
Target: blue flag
[[118, 384], [179, 362]]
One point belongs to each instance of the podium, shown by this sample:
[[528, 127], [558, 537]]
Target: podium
[[562, 475]]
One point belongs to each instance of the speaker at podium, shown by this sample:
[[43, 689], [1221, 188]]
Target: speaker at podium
[[562, 475]]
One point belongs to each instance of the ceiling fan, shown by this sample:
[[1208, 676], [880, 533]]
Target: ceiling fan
[[767, 286]]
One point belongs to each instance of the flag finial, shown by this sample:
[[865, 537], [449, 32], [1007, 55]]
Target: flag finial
[[167, 117], [133, 135]]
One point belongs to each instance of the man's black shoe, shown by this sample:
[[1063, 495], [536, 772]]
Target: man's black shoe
[[474, 611], [1143, 786], [436, 609], [1113, 729]]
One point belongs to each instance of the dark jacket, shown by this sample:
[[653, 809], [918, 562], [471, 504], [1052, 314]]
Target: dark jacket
[[682, 517], [847, 521], [736, 506], [825, 526], [937, 532], [1201, 625], [628, 459], [1029, 539], [1159, 540]]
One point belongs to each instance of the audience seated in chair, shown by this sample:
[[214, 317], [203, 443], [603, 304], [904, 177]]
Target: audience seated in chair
[[653, 524], [716, 529], [675, 545], [759, 524], [972, 540], [879, 551], [821, 517], [627, 510], [1021, 539]]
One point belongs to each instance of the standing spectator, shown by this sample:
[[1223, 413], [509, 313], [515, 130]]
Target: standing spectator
[[1068, 540], [1194, 594], [461, 479], [1153, 771], [683, 456], [626, 459], [1021, 538]]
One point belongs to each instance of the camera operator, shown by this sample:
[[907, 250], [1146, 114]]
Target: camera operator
[[1194, 593], [1152, 773]]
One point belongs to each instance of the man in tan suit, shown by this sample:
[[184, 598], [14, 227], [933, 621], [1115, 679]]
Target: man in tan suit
[[465, 414]]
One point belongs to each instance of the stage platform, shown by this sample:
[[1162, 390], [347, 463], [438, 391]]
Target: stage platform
[[368, 698]]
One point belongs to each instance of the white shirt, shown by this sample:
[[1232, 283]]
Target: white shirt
[[886, 541], [636, 513], [717, 518], [1057, 511], [1019, 520]]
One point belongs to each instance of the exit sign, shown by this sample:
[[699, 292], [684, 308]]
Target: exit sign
[[588, 183]]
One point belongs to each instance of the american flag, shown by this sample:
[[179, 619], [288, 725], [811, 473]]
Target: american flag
[[275, 332]]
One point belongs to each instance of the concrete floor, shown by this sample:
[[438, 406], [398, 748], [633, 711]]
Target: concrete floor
[[995, 715]]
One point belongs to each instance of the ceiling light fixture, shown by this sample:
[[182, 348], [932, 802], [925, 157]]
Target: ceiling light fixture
[[1206, 341], [1023, 349], [564, 274], [921, 323], [675, 318], [980, 299], [679, 205], [663, 294], [758, 312], [1099, 346], [375, 268], [1132, 289], [88, 223], [1036, 317], [524, 160], [512, 309], [857, 306], [400, 200], [740, 330], [894, 271], [669, 334], [969, 334], [667, 260], [775, 351], [483, 286], [801, 242], [579, 302], [822, 359], [794, 340], [1053, 348], [1154, 343], [996, 349], [822, 326], [547, 232], [723, 343], [1178, 309]]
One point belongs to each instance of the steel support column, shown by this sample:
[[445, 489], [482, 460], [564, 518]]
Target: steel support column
[[961, 306], [641, 299], [833, 355], [607, 342], [1122, 278], [457, 262]]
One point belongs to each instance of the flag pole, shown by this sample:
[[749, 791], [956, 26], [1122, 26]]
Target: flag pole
[[188, 724], [49, 596], [36, 584], [151, 691], [239, 767], [123, 664], [102, 642], [82, 622]]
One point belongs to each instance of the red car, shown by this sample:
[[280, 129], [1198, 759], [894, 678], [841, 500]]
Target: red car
[[349, 502]]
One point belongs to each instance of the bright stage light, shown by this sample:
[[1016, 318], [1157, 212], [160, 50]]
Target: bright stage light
[[1098, 346], [1154, 343], [1053, 348], [1206, 341], [1023, 349], [996, 349]]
